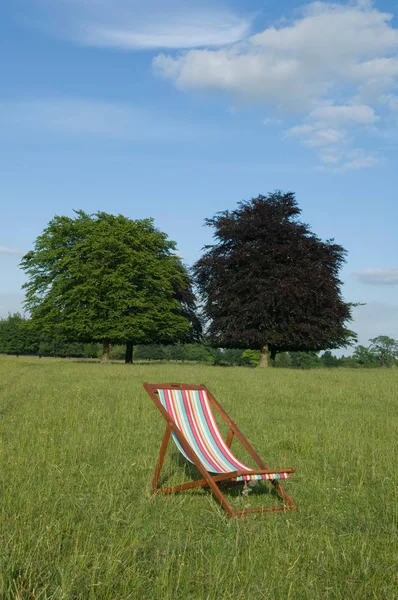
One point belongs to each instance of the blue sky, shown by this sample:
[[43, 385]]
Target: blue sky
[[179, 109]]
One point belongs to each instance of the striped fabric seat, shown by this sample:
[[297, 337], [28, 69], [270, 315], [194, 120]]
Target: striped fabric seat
[[191, 412]]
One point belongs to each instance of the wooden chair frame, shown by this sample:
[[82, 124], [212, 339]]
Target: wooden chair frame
[[217, 481]]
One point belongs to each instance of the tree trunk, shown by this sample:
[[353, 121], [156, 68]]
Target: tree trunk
[[105, 351], [263, 356], [273, 353], [129, 353]]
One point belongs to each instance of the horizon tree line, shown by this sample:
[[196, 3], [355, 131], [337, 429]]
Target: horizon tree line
[[17, 338], [268, 283]]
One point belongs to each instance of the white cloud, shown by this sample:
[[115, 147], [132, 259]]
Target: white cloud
[[316, 137], [358, 159], [327, 131], [328, 32], [10, 251], [248, 74], [132, 24], [91, 118], [391, 101], [340, 161], [188, 33], [358, 114], [294, 65], [332, 64], [378, 276]]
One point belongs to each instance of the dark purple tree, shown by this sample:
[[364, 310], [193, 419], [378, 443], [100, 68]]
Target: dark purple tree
[[271, 284]]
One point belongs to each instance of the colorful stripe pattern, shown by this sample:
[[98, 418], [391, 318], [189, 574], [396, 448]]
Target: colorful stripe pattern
[[191, 412]]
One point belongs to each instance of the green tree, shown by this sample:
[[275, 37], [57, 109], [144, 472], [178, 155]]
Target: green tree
[[46, 348], [217, 356], [348, 362], [329, 360], [230, 357], [17, 335], [198, 353], [384, 349], [283, 360], [109, 279], [269, 283], [253, 356], [177, 352], [364, 357], [117, 352], [91, 350], [150, 352], [305, 360]]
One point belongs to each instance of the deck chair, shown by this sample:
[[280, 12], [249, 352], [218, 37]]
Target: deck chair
[[187, 410]]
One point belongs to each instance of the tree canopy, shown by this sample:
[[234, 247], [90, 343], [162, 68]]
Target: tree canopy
[[269, 282], [111, 279], [17, 336], [384, 349]]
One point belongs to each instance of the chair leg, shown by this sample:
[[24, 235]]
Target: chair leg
[[230, 437], [284, 495], [189, 485], [220, 497], [206, 482], [160, 460], [217, 487], [261, 509]]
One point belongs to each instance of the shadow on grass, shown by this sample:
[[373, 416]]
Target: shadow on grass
[[262, 488]]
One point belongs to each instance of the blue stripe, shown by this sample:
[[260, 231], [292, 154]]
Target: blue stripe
[[204, 430], [177, 443], [189, 434], [187, 430], [215, 449]]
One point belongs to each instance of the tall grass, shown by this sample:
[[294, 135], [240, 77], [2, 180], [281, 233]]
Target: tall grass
[[79, 442]]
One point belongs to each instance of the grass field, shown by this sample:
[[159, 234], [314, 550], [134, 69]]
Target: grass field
[[79, 443]]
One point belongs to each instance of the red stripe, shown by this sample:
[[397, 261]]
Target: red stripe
[[216, 434], [170, 408], [194, 425], [195, 431], [218, 437], [170, 402], [202, 434]]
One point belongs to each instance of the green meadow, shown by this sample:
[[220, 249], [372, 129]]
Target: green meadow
[[79, 443]]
